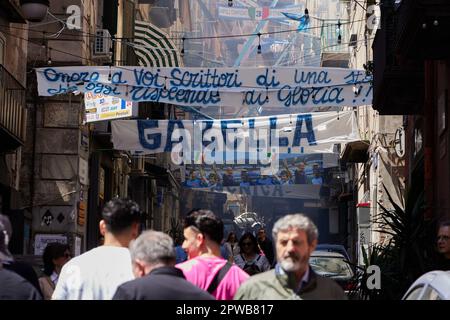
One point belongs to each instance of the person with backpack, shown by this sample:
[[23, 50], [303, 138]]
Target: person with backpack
[[205, 267], [250, 258]]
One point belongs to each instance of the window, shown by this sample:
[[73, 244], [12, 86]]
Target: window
[[331, 266]]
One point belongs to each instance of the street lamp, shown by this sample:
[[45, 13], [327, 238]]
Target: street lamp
[[34, 10]]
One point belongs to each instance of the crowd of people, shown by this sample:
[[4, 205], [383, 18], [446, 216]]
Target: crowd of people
[[130, 265], [245, 179]]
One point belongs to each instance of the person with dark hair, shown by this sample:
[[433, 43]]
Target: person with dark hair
[[194, 181], [55, 257], [266, 245], [157, 278], [245, 179], [12, 285], [250, 259], [232, 246], [23, 269], [203, 233], [300, 175], [443, 246], [228, 178], [285, 177], [96, 274], [317, 177], [181, 255]]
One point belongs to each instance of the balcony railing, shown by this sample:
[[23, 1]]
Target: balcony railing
[[330, 34], [12, 111]]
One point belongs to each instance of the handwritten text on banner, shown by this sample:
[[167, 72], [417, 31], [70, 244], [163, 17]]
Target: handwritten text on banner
[[203, 87]]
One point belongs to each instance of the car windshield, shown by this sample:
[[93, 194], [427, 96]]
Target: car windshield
[[330, 267]]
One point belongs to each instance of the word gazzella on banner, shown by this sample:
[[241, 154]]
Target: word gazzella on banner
[[204, 87], [229, 141]]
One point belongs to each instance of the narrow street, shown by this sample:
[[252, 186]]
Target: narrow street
[[224, 150]]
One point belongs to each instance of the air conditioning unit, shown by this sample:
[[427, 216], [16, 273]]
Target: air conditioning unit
[[103, 42]]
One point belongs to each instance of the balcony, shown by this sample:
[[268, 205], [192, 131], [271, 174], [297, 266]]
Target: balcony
[[12, 112], [423, 29], [335, 52], [398, 80]]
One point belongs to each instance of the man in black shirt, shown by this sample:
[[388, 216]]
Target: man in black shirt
[[300, 175], [14, 287], [228, 178], [153, 257], [266, 245]]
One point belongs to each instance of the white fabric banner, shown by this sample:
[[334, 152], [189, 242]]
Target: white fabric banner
[[212, 139], [203, 87], [295, 191]]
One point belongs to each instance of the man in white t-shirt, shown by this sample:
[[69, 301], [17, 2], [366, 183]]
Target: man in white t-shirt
[[96, 274]]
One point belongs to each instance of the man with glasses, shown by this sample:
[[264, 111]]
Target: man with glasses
[[443, 245], [250, 258]]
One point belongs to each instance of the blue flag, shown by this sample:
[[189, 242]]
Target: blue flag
[[303, 19]]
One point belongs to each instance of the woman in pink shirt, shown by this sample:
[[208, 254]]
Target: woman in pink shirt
[[203, 232]]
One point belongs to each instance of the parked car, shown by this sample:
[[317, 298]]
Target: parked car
[[433, 285], [334, 265], [333, 248]]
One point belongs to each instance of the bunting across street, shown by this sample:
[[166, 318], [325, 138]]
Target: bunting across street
[[284, 87]]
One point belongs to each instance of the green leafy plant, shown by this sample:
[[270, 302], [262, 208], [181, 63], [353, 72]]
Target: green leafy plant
[[407, 255], [176, 230], [410, 250]]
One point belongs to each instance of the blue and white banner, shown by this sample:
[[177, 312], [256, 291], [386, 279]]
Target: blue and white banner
[[204, 87], [256, 13], [229, 141]]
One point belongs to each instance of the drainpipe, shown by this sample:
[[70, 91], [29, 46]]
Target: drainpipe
[[33, 156], [429, 147]]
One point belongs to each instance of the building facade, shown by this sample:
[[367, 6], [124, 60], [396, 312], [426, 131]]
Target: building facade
[[376, 163], [13, 116]]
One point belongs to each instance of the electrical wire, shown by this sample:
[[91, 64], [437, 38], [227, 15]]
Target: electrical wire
[[186, 38], [40, 44], [125, 67], [359, 4], [303, 56]]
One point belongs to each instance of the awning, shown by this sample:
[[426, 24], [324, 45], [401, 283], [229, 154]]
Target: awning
[[356, 152], [154, 47]]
